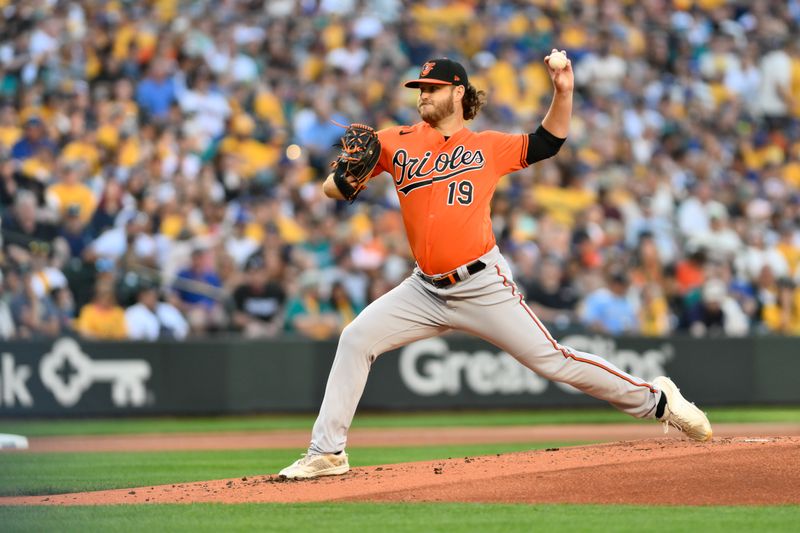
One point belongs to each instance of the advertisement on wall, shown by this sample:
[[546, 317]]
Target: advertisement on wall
[[432, 367], [69, 377], [65, 373], [464, 372]]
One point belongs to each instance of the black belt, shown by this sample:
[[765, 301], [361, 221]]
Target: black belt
[[445, 280]]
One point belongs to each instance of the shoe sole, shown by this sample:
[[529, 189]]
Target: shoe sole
[[333, 471], [667, 383]]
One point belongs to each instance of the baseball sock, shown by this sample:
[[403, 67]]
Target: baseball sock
[[662, 403]]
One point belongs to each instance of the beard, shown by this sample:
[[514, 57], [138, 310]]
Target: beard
[[433, 114]]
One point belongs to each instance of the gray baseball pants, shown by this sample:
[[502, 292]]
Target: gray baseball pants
[[487, 305]]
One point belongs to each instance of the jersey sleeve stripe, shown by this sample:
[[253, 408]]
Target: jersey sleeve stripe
[[523, 157]]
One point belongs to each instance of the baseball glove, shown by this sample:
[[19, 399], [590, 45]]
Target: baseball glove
[[360, 152]]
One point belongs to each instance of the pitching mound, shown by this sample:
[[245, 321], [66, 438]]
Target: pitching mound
[[731, 471]]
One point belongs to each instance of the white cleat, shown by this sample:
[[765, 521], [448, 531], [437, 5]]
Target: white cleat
[[681, 413], [316, 465]]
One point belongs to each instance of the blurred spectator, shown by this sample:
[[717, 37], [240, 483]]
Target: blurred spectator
[[716, 313], [206, 108], [602, 70], [354, 280], [647, 265], [774, 97], [46, 276], [350, 58], [259, 301], [694, 213], [781, 314], [75, 233], [150, 319], [743, 78], [654, 315], [23, 229], [132, 238], [242, 243], [550, 295], [343, 305], [156, 92], [66, 306], [34, 140], [35, 314], [198, 292], [68, 192], [659, 228], [316, 131], [108, 208], [245, 158], [720, 241], [308, 313], [757, 255], [587, 251], [689, 272], [318, 244], [102, 318], [608, 309]]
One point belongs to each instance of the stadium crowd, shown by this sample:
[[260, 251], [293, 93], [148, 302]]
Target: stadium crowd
[[161, 161]]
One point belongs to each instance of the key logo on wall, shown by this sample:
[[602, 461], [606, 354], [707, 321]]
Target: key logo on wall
[[68, 372]]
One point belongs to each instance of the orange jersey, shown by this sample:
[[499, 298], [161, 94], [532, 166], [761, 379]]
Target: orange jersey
[[445, 188]]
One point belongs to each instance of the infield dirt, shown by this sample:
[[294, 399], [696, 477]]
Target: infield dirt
[[379, 437], [666, 471]]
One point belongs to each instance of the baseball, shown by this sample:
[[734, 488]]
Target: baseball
[[558, 60]]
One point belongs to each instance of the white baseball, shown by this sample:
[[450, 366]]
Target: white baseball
[[557, 61]]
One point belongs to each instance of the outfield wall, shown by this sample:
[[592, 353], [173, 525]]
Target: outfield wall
[[71, 377]]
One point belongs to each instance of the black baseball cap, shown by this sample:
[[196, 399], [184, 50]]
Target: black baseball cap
[[440, 71]]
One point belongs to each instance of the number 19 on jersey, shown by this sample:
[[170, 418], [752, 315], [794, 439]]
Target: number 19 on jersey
[[460, 191]]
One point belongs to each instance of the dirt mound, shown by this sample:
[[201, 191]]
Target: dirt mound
[[730, 471]]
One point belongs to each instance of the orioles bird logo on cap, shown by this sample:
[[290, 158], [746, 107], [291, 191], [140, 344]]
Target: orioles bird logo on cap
[[427, 67]]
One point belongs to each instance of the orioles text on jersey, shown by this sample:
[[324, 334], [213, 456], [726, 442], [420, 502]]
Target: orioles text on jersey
[[410, 172]]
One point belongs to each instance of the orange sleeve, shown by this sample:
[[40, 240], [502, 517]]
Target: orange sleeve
[[509, 151], [384, 164]]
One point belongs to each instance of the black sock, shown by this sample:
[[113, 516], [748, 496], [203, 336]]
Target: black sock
[[662, 403]]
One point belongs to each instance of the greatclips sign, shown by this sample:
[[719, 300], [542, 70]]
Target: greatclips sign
[[463, 372], [431, 367]]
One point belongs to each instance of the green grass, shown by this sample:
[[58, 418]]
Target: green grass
[[41, 428], [411, 518], [52, 473], [34, 473]]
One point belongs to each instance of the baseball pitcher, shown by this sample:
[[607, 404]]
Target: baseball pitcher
[[445, 176]]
